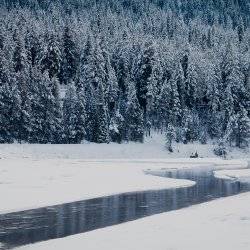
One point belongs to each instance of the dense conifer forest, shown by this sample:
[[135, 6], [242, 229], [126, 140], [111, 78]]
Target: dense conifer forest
[[115, 70]]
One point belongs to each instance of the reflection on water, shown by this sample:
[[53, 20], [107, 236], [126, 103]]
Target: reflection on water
[[42, 224]]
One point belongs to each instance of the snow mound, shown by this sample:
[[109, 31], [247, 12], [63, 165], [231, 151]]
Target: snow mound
[[242, 175]]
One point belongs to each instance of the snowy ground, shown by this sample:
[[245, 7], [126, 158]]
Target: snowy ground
[[154, 147], [222, 224], [242, 175], [40, 175], [35, 183]]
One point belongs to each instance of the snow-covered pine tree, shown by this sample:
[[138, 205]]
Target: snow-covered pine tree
[[227, 81], [22, 80], [185, 63], [16, 115], [70, 54], [227, 107], [10, 101], [116, 127], [191, 127], [51, 120], [178, 81], [33, 46], [52, 56], [6, 135], [70, 115], [229, 135], [235, 95], [106, 56], [93, 66], [240, 30], [170, 136], [210, 37], [191, 87], [20, 60], [101, 133], [2, 32], [175, 111], [90, 112], [213, 95], [80, 116], [48, 105], [92, 75], [112, 91], [85, 58], [134, 117], [120, 62], [37, 106], [164, 106], [153, 94], [56, 111], [143, 73], [242, 129]]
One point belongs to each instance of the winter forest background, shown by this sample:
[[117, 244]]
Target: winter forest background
[[128, 67]]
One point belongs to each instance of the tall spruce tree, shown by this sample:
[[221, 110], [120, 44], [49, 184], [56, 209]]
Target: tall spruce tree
[[175, 111], [178, 81], [213, 96], [6, 135], [242, 128], [22, 80], [101, 134], [144, 73], [51, 118], [165, 108], [170, 136], [70, 60], [52, 56], [37, 106], [134, 117], [80, 116], [70, 116]]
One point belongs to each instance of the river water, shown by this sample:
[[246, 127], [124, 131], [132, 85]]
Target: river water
[[26, 227]]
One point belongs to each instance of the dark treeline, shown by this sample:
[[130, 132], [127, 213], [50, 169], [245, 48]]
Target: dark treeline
[[115, 70], [222, 10]]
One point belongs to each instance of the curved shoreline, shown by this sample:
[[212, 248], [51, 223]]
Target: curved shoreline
[[38, 183], [207, 188]]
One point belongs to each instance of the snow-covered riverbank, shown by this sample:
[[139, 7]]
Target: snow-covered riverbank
[[40, 175], [222, 224], [32, 183], [43, 182], [34, 176], [35, 183], [242, 175]]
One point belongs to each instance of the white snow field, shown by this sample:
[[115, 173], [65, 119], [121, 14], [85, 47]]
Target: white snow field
[[34, 176], [152, 148], [28, 183], [39, 175]]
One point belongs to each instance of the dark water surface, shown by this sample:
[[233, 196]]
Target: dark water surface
[[20, 228]]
